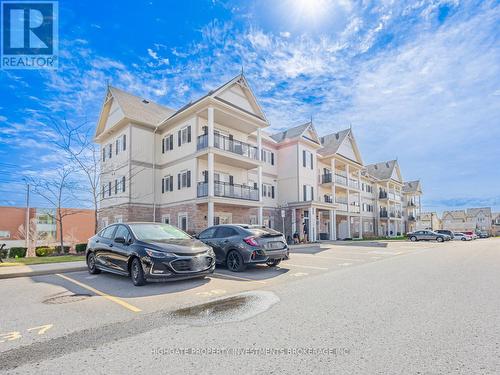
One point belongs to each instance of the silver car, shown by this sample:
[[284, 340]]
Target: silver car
[[427, 235]]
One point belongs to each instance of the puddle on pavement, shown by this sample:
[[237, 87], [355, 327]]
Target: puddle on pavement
[[232, 309], [67, 298]]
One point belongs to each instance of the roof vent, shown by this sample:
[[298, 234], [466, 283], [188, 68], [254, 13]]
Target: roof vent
[[375, 166], [337, 135], [145, 101], [387, 165]]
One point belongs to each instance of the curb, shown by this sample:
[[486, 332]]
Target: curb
[[41, 273]]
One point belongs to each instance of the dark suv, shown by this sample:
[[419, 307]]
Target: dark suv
[[238, 245], [148, 252], [447, 232]]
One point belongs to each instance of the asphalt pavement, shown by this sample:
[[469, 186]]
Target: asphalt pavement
[[347, 308]]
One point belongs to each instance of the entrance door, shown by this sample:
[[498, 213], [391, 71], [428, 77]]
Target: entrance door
[[343, 230]]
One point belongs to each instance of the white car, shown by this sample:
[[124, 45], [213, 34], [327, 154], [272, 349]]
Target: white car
[[462, 236]]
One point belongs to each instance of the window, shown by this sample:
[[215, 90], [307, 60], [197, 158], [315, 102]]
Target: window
[[307, 159], [208, 233], [116, 186], [167, 184], [167, 143], [182, 221], [110, 150], [308, 192], [4, 234], [124, 142], [268, 190], [109, 189], [184, 135], [118, 219], [108, 232], [267, 156], [184, 179], [224, 232], [104, 222], [104, 154], [123, 232], [123, 184], [165, 219], [117, 145]]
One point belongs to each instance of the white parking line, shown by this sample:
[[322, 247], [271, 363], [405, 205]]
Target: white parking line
[[223, 275], [333, 258], [311, 267]]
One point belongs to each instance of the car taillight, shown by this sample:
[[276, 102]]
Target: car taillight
[[251, 241]]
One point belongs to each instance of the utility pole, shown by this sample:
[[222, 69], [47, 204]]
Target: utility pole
[[27, 225]]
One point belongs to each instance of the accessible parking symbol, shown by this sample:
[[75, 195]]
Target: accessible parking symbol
[[29, 35]]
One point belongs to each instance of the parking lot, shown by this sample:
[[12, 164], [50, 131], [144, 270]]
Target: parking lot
[[375, 303], [44, 307]]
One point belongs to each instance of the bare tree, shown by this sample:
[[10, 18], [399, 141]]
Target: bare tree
[[33, 236], [76, 143], [57, 190]]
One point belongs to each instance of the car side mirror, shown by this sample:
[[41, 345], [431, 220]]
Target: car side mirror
[[120, 240]]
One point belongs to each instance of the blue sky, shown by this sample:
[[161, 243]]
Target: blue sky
[[418, 81]]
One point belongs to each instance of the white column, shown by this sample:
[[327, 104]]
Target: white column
[[210, 126], [294, 221], [318, 226], [311, 219], [348, 201], [210, 215], [332, 225], [259, 144], [333, 179], [360, 227], [259, 182], [348, 226]]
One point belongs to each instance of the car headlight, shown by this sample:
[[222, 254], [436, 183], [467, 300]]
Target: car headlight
[[159, 254], [210, 252]]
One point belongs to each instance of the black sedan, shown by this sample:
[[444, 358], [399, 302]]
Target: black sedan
[[148, 252], [238, 245]]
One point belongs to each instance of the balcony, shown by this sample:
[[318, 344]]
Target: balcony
[[326, 178], [354, 184], [382, 195], [339, 179], [354, 208], [328, 199], [411, 218], [229, 144], [383, 214], [342, 204], [224, 189]]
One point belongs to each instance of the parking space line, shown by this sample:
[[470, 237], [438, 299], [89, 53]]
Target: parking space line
[[114, 299], [333, 257], [311, 267], [223, 275]]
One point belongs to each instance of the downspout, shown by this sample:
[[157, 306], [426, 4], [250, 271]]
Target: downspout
[[154, 173]]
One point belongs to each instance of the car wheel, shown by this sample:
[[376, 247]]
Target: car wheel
[[464, 239], [273, 262], [439, 239], [235, 262], [91, 264], [413, 238], [137, 273]]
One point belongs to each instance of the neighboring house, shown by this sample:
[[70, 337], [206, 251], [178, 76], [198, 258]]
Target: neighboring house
[[471, 219], [78, 226], [429, 220], [495, 224], [212, 161], [412, 204]]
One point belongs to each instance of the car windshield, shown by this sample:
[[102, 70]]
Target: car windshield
[[157, 232]]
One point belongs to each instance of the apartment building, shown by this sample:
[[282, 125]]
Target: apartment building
[[212, 161], [412, 204], [495, 223], [429, 220]]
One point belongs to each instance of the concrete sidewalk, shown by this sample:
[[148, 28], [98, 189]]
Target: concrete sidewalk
[[41, 269]]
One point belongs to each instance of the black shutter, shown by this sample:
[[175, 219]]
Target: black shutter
[[123, 184], [303, 158], [272, 191], [312, 162], [255, 185], [312, 193], [110, 150], [171, 143], [124, 141], [189, 134], [179, 181], [188, 178], [104, 154], [179, 138], [205, 130], [205, 176], [231, 180], [272, 158], [262, 155], [109, 188], [162, 185], [103, 191], [116, 147], [304, 190], [163, 146], [116, 186]]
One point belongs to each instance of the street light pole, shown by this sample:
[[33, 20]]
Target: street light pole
[[27, 225]]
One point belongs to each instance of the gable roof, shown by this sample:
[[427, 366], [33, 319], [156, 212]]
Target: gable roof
[[455, 214], [331, 142], [476, 211], [297, 132], [412, 187], [383, 170]]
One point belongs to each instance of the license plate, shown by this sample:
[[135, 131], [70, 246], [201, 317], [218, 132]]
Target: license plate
[[274, 245]]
